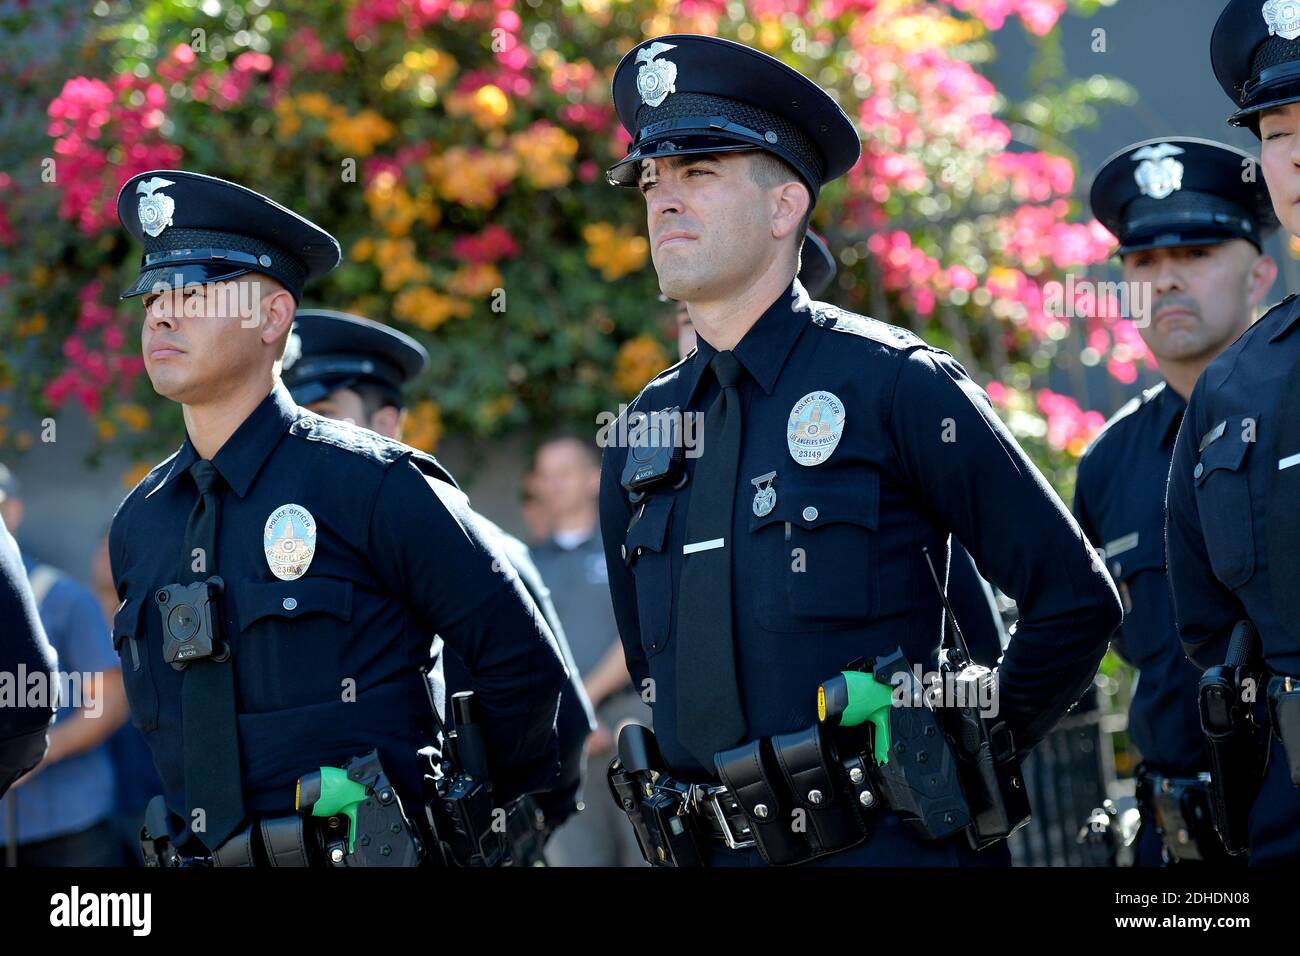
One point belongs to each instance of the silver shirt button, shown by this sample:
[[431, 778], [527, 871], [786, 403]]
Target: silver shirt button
[[810, 513], [289, 603]]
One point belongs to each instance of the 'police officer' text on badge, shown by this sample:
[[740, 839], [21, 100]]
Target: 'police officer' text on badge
[[815, 426], [290, 541]]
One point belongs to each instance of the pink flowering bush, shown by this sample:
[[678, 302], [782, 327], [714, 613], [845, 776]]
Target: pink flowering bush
[[478, 133]]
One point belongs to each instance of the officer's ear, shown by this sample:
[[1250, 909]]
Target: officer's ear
[[276, 311], [1263, 273], [793, 201]]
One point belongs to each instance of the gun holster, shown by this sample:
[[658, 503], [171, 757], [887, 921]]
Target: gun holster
[[1232, 736]]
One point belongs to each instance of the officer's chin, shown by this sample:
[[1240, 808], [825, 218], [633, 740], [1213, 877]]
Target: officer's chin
[[170, 383]]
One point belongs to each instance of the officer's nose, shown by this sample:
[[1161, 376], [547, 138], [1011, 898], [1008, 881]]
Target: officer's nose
[[1169, 277], [663, 200], [160, 313]]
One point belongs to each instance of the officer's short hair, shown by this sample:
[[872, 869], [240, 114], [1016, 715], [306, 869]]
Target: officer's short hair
[[768, 169]]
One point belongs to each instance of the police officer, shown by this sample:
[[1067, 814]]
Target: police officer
[[838, 454], [1232, 523], [1191, 221], [974, 604], [347, 367], [338, 553], [23, 650]]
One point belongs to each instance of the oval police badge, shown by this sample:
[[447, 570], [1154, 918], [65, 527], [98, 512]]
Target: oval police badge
[[290, 541], [815, 426]]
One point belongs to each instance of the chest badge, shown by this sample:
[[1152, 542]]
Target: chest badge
[[815, 426], [764, 494], [290, 541]]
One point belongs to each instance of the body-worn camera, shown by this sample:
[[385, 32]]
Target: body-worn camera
[[189, 626], [656, 453]]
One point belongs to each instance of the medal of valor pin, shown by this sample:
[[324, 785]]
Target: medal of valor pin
[[764, 494], [815, 426], [290, 541]]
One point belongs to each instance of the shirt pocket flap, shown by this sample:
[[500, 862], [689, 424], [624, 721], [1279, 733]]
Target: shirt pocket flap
[[126, 621], [292, 599], [649, 528], [813, 504], [1227, 452]]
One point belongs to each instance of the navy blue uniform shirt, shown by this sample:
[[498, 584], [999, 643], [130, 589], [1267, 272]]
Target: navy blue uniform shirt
[[1119, 501], [400, 557], [922, 455], [1220, 523]]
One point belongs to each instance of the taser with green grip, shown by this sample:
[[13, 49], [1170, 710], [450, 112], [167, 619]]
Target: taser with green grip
[[915, 768], [852, 698], [329, 792]]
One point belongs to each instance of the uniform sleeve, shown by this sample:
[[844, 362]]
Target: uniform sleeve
[[969, 470], [1204, 608], [1084, 515], [615, 513], [451, 572], [22, 645]]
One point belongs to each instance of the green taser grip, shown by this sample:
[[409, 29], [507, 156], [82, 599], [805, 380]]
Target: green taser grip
[[852, 698], [328, 792]]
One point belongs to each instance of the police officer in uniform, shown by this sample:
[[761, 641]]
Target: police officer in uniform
[[838, 455], [23, 649], [1232, 523], [974, 604], [1191, 216], [282, 575], [343, 366]]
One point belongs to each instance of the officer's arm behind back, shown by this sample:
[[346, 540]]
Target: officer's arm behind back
[[1088, 474], [428, 543], [1205, 610], [22, 645], [614, 518], [1021, 535]]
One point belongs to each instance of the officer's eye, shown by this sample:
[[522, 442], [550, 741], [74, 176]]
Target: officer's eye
[[1275, 134], [700, 170], [647, 186]]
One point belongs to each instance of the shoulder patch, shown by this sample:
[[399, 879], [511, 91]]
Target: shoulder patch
[[831, 317]]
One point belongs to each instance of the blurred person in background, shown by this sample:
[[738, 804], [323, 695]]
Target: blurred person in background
[[566, 472], [60, 812]]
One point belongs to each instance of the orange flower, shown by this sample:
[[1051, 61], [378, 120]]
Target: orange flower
[[615, 252], [639, 359]]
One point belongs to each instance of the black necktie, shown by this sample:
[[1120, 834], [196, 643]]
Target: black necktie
[[210, 732], [1283, 529], [709, 713]]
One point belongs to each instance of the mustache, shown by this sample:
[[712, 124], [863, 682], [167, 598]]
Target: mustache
[[1176, 301]]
